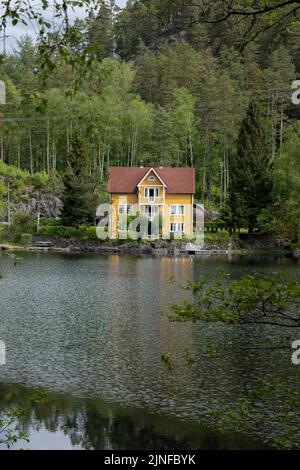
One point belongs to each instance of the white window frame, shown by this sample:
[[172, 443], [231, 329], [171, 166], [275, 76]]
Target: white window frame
[[154, 197], [176, 227], [177, 211], [154, 211]]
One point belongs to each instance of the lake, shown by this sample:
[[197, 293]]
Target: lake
[[89, 330]]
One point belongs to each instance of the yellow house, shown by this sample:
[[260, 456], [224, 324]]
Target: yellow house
[[163, 194]]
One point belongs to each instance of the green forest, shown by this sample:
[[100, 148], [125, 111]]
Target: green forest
[[164, 86]]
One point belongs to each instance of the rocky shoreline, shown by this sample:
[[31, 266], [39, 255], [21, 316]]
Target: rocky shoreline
[[158, 247]]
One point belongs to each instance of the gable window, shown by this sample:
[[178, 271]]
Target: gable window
[[151, 178], [151, 194], [177, 209]]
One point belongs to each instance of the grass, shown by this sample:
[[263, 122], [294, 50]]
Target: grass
[[222, 236]]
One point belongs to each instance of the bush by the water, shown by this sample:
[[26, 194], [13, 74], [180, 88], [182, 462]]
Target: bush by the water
[[59, 231], [23, 223], [26, 239]]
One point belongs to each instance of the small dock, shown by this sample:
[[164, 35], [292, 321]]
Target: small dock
[[193, 248], [42, 246]]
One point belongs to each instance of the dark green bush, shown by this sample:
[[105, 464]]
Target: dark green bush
[[23, 223], [26, 239], [59, 231], [45, 222], [39, 180]]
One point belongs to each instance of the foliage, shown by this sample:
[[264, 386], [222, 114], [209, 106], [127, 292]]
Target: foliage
[[250, 300], [220, 237], [23, 223], [178, 99], [247, 413], [268, 300], [40, 179], [287, 185], [9, 432], [250, 171], [165, 359], [26, 239], [59, 231], [79, 203]]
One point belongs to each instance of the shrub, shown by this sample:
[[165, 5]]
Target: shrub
[[266, 222], [45, 222], [91, 233], [3, 188], [40, 179], [59, 231], [26, 239], [23, 222], [19, 177]]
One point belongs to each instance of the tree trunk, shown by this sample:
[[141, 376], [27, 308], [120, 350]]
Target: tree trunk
[[48, 147], [30, 153]]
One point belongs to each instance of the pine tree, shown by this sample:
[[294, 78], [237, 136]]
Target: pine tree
[[250, 171], [78, 195], [100, 29]]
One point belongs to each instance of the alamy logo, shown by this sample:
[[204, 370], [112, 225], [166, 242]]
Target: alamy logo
[[134, 221], [296, 94], [2, 353], [296, 354]]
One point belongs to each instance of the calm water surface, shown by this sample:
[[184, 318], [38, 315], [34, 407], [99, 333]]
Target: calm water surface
[[88, 329]]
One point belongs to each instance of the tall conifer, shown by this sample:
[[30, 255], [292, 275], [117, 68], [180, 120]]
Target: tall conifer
[[78, 195], [250, 171]]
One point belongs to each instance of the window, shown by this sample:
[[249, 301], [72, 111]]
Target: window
[[180, 210], [151, 193], [124, 209], [150, 211], [177, 210], [151, 178], [176, 227]]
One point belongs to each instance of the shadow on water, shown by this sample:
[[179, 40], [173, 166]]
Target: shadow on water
[[65, 422]]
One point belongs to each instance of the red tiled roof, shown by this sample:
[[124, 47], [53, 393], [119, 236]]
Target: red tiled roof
[[124, 180]]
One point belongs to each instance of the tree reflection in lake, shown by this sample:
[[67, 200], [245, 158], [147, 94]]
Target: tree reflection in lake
[[95, 424]]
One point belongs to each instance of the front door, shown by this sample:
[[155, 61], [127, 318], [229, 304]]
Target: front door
[[151, 212]]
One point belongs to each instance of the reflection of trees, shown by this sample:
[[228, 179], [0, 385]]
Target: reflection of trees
[[95, 424], [88, 424]]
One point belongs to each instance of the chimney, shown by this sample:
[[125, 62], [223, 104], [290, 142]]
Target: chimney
[[142, 164]]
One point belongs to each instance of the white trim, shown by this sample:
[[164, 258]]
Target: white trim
[[176, 211], [144, 177], [156, 193], [150, 204], [176, 224]]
